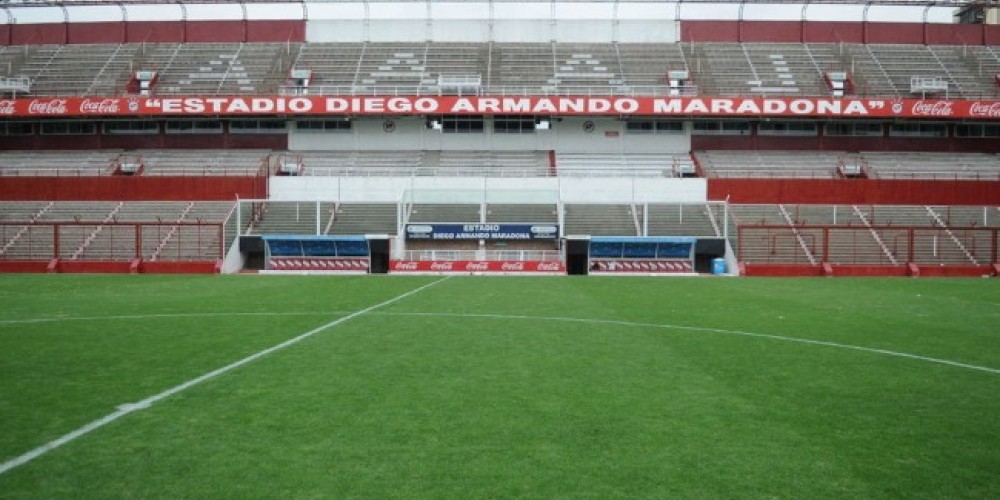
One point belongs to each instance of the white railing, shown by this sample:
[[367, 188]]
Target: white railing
[[525, 90]]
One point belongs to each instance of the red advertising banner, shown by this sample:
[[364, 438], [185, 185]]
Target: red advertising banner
[[501, 105], [476, 266], [642, 266]]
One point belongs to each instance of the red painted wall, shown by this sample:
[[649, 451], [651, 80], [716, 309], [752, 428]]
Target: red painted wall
[[955, 34], [855, 191], [162, 267], [154, 32], [151, 31], [894, 33], [709, 31], [107, 32], [23, 266], [834, 32], [769, 31], [991, 35], [38, 34], [139, 188], [215, 31], [276, 31]]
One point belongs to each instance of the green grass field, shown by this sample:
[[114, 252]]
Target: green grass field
[[479, 387]]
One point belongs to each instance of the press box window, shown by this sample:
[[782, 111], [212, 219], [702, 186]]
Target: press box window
[[641, 126], [323, 125], [848, 129], [719, 127], [69, 128], [462, 124], [132, 127], [918, 130], [977, 130], [15, 128], [514, 124], [787, 128], [194, 127], [257, 126]]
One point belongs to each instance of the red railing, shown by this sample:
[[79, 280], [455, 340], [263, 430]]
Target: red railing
[[861, 245], [116, 241]]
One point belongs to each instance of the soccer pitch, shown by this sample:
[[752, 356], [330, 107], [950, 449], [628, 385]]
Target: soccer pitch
[[483, 387]]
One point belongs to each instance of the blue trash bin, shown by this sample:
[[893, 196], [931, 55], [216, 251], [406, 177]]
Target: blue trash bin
[[718, 266]]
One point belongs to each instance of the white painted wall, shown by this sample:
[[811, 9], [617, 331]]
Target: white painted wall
[[567, 135], [470, 21], [474, 189]]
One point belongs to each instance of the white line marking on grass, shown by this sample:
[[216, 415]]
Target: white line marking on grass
[[127, 408], [825, 343]]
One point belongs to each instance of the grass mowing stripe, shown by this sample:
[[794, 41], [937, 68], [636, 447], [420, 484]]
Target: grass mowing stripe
[[164, 315], [825, 343], [127, 408]]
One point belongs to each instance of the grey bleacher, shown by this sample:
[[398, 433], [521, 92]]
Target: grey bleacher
[[680, 220], [601, 220], [201, 161], [363, 163], [57, 163], [532, 213], [644, 66], [493, 163], [398, 67], [218, 68], [522, 67], [620, 164], [923, 165], [985, 63], [361, 218], [334, 66], [444, 212], [725, 69], [59, 70], [769, 164], [287, 218], [737, 69], [886, 69]]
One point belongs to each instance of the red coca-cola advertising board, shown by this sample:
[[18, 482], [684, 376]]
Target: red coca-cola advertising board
[[476, 266], [849, 107]]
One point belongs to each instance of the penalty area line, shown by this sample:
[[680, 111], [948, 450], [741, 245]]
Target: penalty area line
[[128, 408]]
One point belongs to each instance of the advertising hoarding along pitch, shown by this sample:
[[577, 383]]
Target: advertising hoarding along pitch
[[803, 107]]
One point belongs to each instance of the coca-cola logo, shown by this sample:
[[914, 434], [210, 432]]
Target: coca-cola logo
[[985, 109], [477, 266], [512, 266], [442, 266], [548, 266], [406, 266], [47, 107], [939, 108], [7, 106], [103, 106]]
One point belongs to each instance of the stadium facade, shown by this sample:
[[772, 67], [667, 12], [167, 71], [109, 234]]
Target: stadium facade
[[781, 138]]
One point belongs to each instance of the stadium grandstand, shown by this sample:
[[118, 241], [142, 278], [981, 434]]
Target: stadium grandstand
[[792, 138]]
